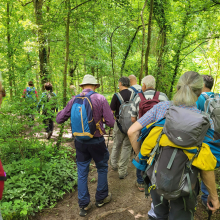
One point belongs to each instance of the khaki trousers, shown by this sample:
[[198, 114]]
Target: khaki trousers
[[121, 151]]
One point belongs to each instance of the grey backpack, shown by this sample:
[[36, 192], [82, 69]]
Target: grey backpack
[[171, 173], [184, 127], [124, 122], [212, 107]]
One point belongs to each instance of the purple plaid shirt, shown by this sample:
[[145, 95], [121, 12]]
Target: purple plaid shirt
[[101, 109], [159, 111]]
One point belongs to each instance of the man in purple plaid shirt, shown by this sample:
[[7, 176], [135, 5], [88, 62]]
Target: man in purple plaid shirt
[[94, 148]]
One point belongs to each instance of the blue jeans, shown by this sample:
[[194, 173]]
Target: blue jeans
[[205, 193], [139, 177], [86, 151]]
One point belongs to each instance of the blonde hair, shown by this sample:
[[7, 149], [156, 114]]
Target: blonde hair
[[149, 81], [189, 87]]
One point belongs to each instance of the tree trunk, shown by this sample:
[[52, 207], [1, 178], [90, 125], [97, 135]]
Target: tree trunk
[[38, 4], [9, 51], [143, 43], [102, 83], [128, 49], [148, 37], [176, 58], [72, 70], [67, 52], [65, 69], [112, 57]]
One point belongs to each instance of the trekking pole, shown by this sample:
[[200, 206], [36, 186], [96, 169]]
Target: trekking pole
[[210, 212], [109, 136]]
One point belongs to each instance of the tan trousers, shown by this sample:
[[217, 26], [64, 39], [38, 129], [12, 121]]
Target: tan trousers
[[121, 151]]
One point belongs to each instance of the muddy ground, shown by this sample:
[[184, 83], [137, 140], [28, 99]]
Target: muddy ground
[[127, 202]]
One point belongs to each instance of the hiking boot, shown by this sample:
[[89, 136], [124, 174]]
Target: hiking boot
[[49, 135], [104, 201], [123, 176], [83, 211], [140, 186]]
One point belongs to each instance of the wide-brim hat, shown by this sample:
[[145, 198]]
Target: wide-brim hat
[[89, 80]]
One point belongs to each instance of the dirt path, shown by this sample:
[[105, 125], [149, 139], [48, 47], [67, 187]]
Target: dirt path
[[127, 202]]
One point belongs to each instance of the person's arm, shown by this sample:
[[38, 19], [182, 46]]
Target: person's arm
[[24, 93], [64, 115], [36, 95], [133, 134], [208, 177], [108, 114], [133, 119]]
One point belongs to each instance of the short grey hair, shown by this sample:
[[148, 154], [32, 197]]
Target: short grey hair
[[125, 81], [189, 87], [149, 81]]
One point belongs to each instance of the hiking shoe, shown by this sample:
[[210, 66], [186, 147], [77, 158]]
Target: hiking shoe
[[104, 201], [123, 176], [49, 135], [140, 186], [83, 211]]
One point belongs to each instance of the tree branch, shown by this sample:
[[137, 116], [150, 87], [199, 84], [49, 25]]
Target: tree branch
[[208, 38], [129, 47], [216, 2], [25, 4], [80, 5], [210, 69], [193, 50]]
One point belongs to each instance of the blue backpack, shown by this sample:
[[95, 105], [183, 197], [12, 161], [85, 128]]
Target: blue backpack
[[30, 96], [82, 122]]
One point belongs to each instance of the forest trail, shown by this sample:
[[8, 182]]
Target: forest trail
[[128, 203]]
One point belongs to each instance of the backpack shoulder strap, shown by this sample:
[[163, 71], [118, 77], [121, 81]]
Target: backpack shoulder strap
[[135, 90], [156, 96], [141, 95], [133, 95], [90, 93], [205, 95], [121, 100]]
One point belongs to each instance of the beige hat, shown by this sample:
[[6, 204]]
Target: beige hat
[[89, 80]]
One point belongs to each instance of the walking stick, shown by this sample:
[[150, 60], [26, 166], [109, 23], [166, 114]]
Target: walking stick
[[210, 212], [109, 136]]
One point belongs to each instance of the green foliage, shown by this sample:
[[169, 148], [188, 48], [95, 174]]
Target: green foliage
[[38, 173], [34, 184]]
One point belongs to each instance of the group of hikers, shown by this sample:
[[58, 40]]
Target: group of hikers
[[168, 138], [48, 104], [173, 140]]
